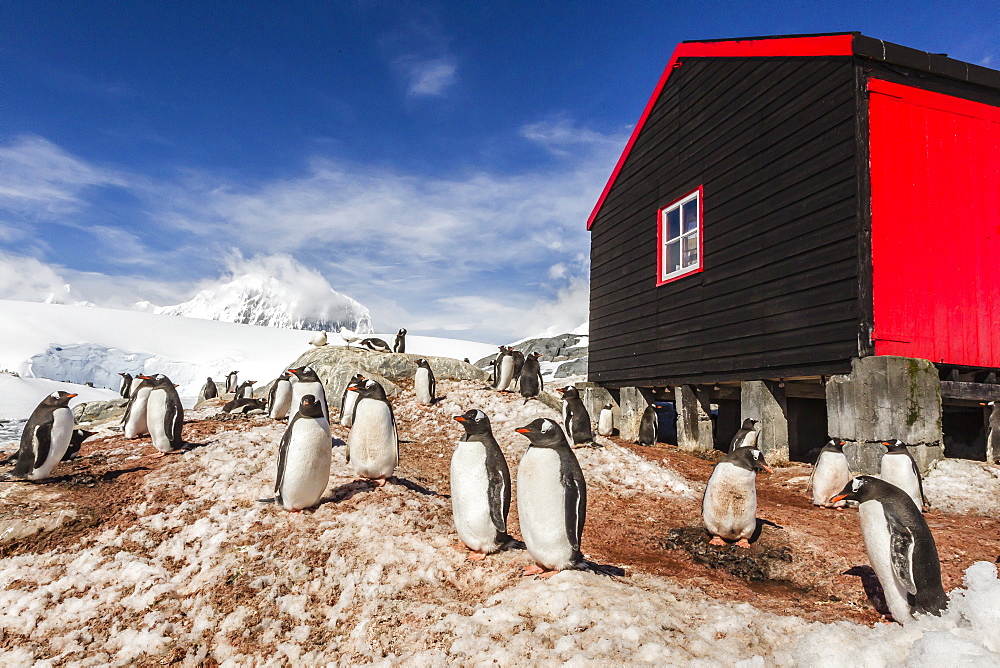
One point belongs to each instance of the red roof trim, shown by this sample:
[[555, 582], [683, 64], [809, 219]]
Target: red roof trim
[[939, 101], [825, 45]]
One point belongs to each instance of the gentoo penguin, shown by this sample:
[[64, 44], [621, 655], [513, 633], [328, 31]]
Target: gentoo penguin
[[304, 457], [75, 441], [480, 487], [830, 474], [318, 340], [900, 547], [378, 345], [125, 389], [164, 415], [232, 382], [606, 421], [45, 438], [531, 383], [899, 468], [348, 336], [399, 345], [245, 390], [505, 369], [493, 373], [245, 406], [576, 419], [373, 446], [648, 426], [551, 499], [210, 391], [279, 399], [518, 366], [306, 381], [746, 437], [348, 400], [423, 382], [134, 420], [729, 506]]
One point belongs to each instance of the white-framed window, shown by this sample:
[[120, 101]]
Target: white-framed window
[[679, 235]]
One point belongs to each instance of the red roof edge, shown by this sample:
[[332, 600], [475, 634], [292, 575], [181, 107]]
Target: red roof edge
[[819, 45]]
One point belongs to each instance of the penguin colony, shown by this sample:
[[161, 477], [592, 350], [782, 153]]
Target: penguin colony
[[552, 491]]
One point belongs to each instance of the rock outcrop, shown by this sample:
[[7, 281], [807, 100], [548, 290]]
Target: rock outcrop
[[99, 413]]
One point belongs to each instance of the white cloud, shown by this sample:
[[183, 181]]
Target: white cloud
[[28, 279], [429, 77]]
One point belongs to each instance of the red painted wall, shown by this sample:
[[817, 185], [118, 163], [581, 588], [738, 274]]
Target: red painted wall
[[935, 179]]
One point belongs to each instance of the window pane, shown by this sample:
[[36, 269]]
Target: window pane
[[691, 215], [690, 250], [673, 256], [673, 224]]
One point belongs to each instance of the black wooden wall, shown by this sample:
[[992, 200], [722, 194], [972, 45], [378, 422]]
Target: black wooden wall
[[773, 142]]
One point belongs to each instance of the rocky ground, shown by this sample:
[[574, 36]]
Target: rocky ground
[[127, 559]]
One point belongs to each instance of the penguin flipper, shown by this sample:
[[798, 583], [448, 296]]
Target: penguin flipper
[[286, 438], [498, 490], [43, 437], [576, 509], [172, 428], [901, 553]]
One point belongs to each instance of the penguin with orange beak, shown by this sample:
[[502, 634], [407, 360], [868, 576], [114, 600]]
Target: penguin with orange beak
[[729, 507], [45, 438]]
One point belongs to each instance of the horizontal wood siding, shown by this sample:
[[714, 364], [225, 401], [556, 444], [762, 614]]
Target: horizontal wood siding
[[772, 140]]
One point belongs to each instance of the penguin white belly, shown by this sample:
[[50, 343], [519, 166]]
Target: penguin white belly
[[541, 507], [730, 504], [373, 440], [136, 425], [282, 400], [301, 389], [875, 531], [506, 373], [347, 411], [605, 423], [470, 500], [898, 470], [307, 464], [422, 385], [59, 437], [831, 475], [156, 416]]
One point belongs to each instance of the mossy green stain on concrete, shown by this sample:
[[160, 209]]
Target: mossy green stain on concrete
[[913, 412]]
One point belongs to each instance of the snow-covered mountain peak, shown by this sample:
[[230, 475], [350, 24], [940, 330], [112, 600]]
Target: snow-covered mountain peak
[[275, 292]]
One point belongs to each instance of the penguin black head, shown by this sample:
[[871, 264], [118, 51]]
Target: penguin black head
[[749, 423], [124, 374], [544, 433], [866, 488], [309, 407], [475, 421], [304, 374], [750, 459], [568, 392], [58, 399], [422, 363], [157, 380], [834, 445], [401, 332], [80, 435], [896, 446], [209, 379], [368, 389]]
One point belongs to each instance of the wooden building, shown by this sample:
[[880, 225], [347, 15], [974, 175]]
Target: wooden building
[[791, 209]]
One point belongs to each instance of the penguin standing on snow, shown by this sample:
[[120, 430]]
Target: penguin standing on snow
[[900, 547], [648, 426], [210, 391], [729, 507], [576, 418], [245, 390], [164, 415], [232, 382], [551, 499], [900, 469], [134, 420], [423, 382], [279, 399], [505, 369], [480, 487], [349, 399], [373, 445], [45, 438], [304, 457], [830, 474], [746, 437], [531, 383], [606, 421], [306, 381], [399, 345], [125, 389]]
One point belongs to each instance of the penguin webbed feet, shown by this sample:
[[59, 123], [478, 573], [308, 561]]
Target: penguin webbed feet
[[717, 540]]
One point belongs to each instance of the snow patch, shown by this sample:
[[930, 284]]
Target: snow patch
[[964, 486]]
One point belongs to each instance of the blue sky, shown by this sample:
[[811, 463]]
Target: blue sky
[[435, 161]]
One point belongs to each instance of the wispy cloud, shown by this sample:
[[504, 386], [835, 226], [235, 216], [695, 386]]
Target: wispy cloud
[[429, 77]]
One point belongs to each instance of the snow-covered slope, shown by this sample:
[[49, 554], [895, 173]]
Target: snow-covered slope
[[278, 293], [81, 344], [21, 395]]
